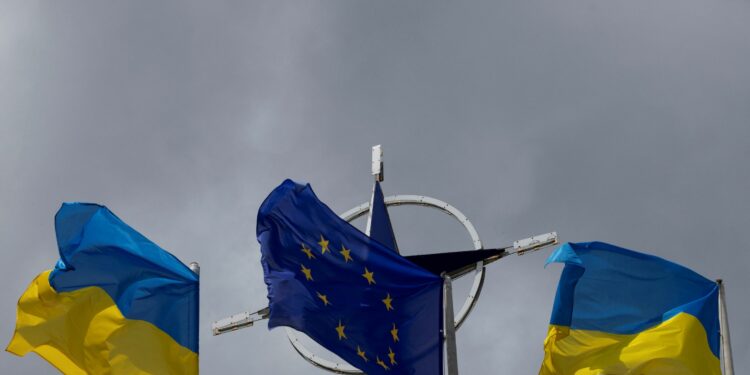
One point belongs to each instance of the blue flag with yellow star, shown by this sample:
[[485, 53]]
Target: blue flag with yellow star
[[352, 295]]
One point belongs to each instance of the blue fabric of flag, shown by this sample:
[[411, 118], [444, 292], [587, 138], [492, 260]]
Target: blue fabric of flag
[[351, 294], [97, 249]]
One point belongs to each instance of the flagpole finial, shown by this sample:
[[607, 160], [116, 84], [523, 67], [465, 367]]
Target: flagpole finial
[[195, 267], [377, 162]]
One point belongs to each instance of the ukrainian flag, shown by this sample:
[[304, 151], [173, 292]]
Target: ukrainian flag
[[115, 303], [618, 311]]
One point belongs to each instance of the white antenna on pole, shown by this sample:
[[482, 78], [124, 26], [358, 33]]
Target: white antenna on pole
[[377, 171], [377, 163]]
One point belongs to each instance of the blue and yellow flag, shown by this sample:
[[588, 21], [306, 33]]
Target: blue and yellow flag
[[116, 303], [349, 293], [618, 311]]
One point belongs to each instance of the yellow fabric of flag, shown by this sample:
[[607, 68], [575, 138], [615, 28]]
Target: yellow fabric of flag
[[676, 346], [84, 332]]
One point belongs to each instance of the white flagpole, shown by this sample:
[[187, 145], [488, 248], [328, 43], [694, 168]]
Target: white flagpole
[[726, 342], [450, 328]]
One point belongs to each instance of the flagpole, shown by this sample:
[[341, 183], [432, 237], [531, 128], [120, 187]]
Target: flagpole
[[196, 268], [726, 342], [451, 353]]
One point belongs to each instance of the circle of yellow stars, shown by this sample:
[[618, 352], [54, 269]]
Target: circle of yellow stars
[[369, 276]]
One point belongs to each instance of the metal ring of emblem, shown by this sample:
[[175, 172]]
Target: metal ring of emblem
[[403, 200]]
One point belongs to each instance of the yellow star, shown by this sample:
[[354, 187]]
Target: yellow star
[[369, 276], [323, 298], [387, 301], [381, 363], [394, 333], [308, 252], [340, 330], [392, 356], [307, 272], [323, 245], [345, 252], [361, 353]]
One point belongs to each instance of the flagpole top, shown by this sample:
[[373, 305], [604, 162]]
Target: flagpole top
[[195, 267]]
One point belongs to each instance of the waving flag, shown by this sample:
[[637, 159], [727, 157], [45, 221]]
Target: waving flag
[[349, 293], [115, 303], [622, 312]]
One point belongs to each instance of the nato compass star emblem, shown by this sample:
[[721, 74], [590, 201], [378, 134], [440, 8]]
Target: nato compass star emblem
[[449, 265]]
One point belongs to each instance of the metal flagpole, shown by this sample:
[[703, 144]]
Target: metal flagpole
[[196, 268], [450, 328], [726, 342]]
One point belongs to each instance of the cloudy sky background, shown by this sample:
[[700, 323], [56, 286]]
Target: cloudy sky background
[[621, 121]]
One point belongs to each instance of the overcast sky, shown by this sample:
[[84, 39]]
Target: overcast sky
[[621, 121]]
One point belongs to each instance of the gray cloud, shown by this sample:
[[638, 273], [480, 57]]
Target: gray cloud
[[624, 122]]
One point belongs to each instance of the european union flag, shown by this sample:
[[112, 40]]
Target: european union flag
[[349, 293]]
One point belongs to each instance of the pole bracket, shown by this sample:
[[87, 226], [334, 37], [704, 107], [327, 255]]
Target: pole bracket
[[238, 321], [535, 243]]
